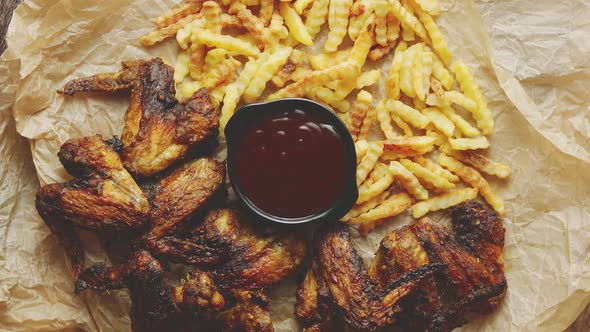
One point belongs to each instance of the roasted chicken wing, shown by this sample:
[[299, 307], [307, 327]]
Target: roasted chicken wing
[[158, 129], [102, 195], [353, 294]]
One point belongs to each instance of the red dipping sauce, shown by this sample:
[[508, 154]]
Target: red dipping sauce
[[291, 164]]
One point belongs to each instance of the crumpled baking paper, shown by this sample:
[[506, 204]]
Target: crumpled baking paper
[[529, 57]]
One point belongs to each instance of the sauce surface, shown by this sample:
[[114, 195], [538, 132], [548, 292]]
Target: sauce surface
[[291, 164]]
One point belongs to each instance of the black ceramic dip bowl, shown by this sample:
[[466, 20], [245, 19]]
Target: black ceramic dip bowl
[[291, 161]]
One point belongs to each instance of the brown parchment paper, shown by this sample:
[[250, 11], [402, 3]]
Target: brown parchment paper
[[530, 59]]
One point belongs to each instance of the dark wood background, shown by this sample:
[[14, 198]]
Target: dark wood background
[[582, 324]]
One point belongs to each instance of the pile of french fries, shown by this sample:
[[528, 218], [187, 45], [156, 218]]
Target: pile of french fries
[[433, 121]]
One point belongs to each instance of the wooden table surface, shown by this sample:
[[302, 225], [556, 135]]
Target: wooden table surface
[[582, 324]]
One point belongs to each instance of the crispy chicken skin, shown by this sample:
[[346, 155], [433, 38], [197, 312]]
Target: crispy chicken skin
[[178, 196], [240, 254], [354, 295], [471, 281], [249, 314], [102, 195], [158, 129]]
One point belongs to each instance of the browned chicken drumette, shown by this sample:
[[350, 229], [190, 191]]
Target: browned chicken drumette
[[102, 195], [158, 129], [473, 280], [341, 283]]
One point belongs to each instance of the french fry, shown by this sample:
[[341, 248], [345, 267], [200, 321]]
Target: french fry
[[432, 7], [295, 60], [385, 120], [440, 121], [253, 24], [235, 90], [408, 180], [407, 113], [407, 18], [361, 147], [360, 49], [295, 24], [355, 121], [460, 123], [197, 61], [439, 139], [392, 82], [343, 71], [300, 73], [181, 66], [483, 164], [301, 5], [436, 168], [427, 70], [316, 17], [368, 161], [393, 27], [404, 146], [248, 2], [338, 12], [441, 73], [183, 36], [266, 11], [265, 72], [326, 60], [482, 115], [378, 52], [473, 178], [226, 42], [368, 78], [367, 206], [212, 15], [402, 125], [469, 143], [365, 100], [377, 187], [179, 12], [166, 32], [391, 207], [277, 28], [417, 72], [437, 39], [381, 22], [220, 70], [427, 176], [457, 98], [443, 201], [406, 83], [361, 16], [329, 97], [344, 88]]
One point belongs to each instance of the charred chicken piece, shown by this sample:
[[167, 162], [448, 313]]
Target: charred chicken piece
[[158, 307], [178, 196], [249, 314], [362, 303], [401, 252], [102, 195], [314, 302], [158, 129], [240, 254]]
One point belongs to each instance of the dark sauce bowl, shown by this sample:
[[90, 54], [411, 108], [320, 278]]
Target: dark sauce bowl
[[238, 126]]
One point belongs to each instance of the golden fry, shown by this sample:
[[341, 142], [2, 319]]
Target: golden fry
[[364, 99], [407, 113], [367, 206], [378, 187], [265, 72], [226, 42], [266, 11], [440, 121], [391, 207], [408, 180], [392, 82], [473, 178], [460, 123], [483, 164], [443, 201], [361, 147], [338, 12], [295, 60], [295, 24], [316, 17], [427, 176], [407, 18], [385, 121], [163, 33], [469, 143], [405, 146], [301, 5], [325, 60], [369, 161], [253, 24], [436, 168]]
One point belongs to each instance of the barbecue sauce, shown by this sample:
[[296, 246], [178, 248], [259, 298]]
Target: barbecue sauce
[[291, 164]]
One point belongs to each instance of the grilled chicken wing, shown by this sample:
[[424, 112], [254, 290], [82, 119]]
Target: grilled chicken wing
[[158, 129], [158, 307], [102, 195], [180, 195], [241, 255], [352, 292]]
